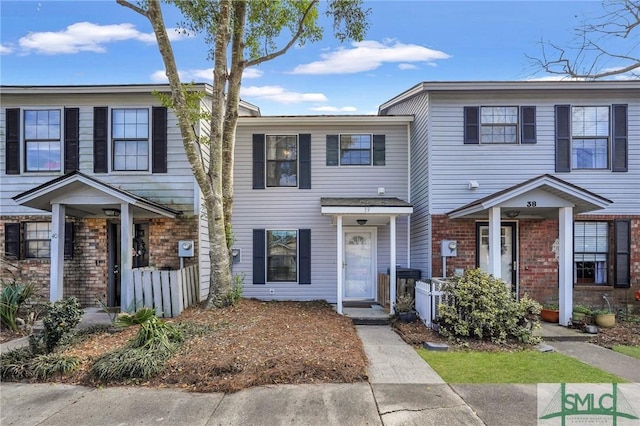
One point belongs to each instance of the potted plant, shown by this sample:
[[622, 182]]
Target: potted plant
[[404, 308], [550, 313], [605, 318], [579, 314]]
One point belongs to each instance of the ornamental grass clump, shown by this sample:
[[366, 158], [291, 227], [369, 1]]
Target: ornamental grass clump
[[482, 307], [145, 355]]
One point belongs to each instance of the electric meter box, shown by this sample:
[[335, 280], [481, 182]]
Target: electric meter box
[[449, 248], [185, 248]]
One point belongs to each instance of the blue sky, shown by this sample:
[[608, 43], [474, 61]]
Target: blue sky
[[99, 42]]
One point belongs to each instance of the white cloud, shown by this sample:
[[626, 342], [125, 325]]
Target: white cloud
[[407, 67], [280, 95], [88, 37], [200, 75], [334, 109], [5, 49], [367, 56]]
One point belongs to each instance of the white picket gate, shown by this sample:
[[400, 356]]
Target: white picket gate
[[168, 292], [428, 297]]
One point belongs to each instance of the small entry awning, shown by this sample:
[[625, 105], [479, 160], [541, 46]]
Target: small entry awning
[[86, 196], [539, 197], [375, 210]]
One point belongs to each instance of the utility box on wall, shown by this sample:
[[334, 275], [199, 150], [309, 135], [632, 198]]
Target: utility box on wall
[[185, 248], [449, 248]]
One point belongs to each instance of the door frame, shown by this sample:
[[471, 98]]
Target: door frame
[[374, 260], [114, 243], [515, 255]]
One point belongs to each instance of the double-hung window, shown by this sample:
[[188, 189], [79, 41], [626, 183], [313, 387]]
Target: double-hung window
[[355, 150], [499, 124], [591, 252], [130, 134], [282, 256], [590, 137], [282, 160], [37, 239], [42, 130]]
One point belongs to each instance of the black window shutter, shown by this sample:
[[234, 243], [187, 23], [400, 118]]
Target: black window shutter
[[379, 149], [100, 132], [71, 139], [620, 139], [622, 270], [563, 138], [68, 240], [471, 125], [258, 161], [259, 247], [12, 240], [333, 150], [12, 150], [304, 157], [159, 140], [528, 118], [304, 256]]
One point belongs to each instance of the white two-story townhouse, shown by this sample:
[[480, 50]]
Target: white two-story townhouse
[[321, 205], [95, 183], [536, 182]]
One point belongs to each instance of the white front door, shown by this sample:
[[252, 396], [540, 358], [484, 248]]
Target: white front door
[[507, 249], [359, 263]]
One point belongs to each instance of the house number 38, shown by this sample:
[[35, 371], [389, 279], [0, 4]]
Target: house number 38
[[531, 203]]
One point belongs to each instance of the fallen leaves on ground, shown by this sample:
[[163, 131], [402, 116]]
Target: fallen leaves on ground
[[254, 343], [624, 333]]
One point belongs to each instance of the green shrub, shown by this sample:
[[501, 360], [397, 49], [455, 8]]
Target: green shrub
[[48, 365], [13, 295], [61, 317], [482, 307], [235, 294], [16, 364], [145, 355]]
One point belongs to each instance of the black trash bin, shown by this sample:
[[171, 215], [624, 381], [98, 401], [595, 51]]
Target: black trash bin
[[406, 281]]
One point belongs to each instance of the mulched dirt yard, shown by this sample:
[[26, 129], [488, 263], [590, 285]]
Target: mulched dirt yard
[[625, 333], [252, 344]]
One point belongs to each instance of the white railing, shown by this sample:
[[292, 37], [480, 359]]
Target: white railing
[[168, 292], [428, 297]]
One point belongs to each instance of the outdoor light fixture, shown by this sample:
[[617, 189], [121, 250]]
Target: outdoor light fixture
[[111, 212], [512, 213], [362, 221]]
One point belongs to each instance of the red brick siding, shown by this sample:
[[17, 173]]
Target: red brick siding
[[86, 275], [538, 269]]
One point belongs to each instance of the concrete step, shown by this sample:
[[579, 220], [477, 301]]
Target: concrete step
[[370, 321], [550, 332]]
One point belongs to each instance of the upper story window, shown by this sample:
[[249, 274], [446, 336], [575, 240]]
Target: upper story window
[[499, 124], [42, 130], [355, 150], [282, 160], [590, 137], [130, 134]]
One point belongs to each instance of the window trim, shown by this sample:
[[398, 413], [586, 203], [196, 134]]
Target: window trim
[[266, 160], [23, 139], [111, 141], [266, 256], [370, 150], [28, 240], [517, 125], [607, 254], [608, 138]]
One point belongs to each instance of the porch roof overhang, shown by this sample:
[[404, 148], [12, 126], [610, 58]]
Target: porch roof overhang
[[547, 192], [86, 196], [365, 206]]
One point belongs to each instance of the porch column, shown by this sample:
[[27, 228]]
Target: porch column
[[339, 262], [565, 264], [126, 256], [495, 254], [392, 262], [56, 287]]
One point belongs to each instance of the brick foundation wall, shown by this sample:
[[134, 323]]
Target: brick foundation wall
[[537, 269], [86, 274]]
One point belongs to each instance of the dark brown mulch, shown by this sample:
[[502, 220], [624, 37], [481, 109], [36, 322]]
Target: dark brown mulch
[[7, 335], [624, 333], [255, 343]]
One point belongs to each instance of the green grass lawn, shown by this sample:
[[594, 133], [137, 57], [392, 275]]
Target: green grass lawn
[[633, 351], [513, 367]]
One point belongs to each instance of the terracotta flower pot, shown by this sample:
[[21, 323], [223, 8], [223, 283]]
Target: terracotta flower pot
[[550, 315]]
